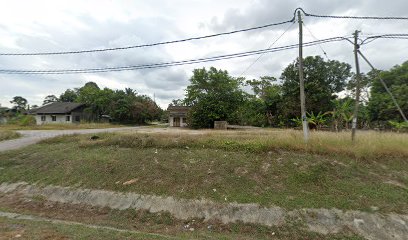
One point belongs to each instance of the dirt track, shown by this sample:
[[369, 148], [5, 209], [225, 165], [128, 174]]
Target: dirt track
[[33, 136]]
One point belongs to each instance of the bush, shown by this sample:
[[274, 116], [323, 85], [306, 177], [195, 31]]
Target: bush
[[23, 120]]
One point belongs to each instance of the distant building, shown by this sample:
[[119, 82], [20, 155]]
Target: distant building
[[59, 112], [178, 116]]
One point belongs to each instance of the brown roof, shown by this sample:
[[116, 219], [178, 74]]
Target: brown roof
[[178, 109], [58, 108]]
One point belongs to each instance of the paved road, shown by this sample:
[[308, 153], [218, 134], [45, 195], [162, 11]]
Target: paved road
[[33, 136]]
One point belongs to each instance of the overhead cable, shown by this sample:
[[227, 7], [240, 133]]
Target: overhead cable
[[167, 64], [150, 44]]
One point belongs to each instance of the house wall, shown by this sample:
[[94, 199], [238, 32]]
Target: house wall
[[182, 124], [171, 121], [48, 119]]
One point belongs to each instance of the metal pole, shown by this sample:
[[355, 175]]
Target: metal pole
[[358, 76], [386, 88], [302, 84]]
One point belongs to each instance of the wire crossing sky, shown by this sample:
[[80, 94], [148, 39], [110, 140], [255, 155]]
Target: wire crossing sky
[[292, 20], [153, 46]]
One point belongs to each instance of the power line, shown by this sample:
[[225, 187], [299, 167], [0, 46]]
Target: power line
[[270, 46], [202, 37], [150, 44], [321, 48], [354, 17], [389, 36], [169, 64]]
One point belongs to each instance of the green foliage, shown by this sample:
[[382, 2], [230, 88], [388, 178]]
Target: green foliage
[[50, 99], [317, 120], [124, 106], [68, 96], [252, 112], [399, 126], [19, 102], [213, 95], [323, 79], [381, 106], [23, 120]]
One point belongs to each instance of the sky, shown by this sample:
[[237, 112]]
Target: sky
[[49, 25]]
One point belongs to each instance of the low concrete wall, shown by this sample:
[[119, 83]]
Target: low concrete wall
[[221, 125], [369, 225]]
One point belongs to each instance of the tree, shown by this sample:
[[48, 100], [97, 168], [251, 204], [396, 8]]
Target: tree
[[50, 99], [19, 102], [68, 96], [323, 80], [214, 95], [177, 102], [381, 106], [268, 94]]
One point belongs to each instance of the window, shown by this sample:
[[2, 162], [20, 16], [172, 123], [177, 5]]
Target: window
[[43, 118], [77, 118], [184, 120], [68, 118], [54, 118]]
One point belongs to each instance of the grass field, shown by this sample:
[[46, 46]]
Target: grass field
[[265, 167], [57, 126], [8, 134]]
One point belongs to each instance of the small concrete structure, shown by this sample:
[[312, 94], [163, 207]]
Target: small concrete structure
[[178, 116], [220, 125], [59, 112]]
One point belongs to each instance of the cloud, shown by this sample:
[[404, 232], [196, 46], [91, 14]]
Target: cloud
[[73, 25]]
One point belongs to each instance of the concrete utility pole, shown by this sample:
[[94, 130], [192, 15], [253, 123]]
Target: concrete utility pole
[[358, 76], [302, 83]]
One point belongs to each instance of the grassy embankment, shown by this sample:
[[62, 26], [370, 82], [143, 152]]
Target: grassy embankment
[[8, 134], [270, 167]]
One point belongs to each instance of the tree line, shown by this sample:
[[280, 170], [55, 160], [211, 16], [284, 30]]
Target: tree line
[[123, 106], [329, 88]]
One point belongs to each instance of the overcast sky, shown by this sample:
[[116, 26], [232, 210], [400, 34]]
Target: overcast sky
[[35, 26]]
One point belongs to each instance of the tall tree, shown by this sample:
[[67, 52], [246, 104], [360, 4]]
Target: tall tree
[[19, 102], [213, 95], [381, 106], [68, 96], [323, 80], [268, 94], [50, 99]]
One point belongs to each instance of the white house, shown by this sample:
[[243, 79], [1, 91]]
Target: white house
[[178, 116], [59, 112]]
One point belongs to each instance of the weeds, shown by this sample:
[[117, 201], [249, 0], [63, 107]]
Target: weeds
[[7, 135]]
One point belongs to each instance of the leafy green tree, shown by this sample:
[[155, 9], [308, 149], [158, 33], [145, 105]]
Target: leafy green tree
[[19, 102], [323, 80], [50, 99], [68, 96], [214, 95], [381, 106], [269, 94], [177, 102]]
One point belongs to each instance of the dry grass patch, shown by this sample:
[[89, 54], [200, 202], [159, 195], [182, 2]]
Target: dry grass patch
[[369, 145], [7, 135]]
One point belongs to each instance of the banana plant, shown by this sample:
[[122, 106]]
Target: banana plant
[[317, 120]]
